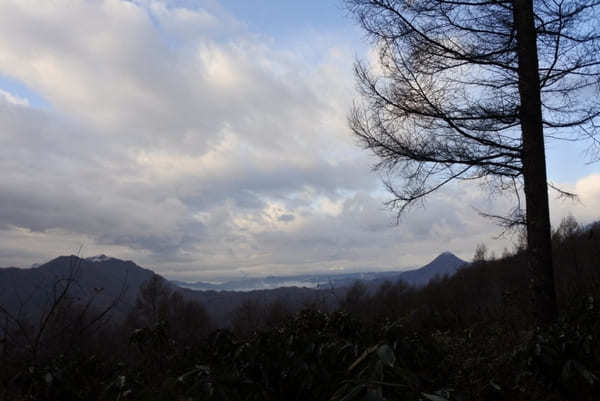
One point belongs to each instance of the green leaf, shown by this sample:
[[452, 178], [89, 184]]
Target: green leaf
[[352, 393], [373, 395], [572, 366], [433, 397], [362, 357], [386, 355], [495, 386]]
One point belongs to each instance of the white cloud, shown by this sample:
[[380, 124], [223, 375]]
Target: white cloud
[[584, 208], [180, 140]]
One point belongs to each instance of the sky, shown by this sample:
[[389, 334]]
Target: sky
[[209, 139]]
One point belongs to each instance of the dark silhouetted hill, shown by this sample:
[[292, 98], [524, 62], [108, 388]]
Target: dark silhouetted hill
[[445, 264], [101, 279]]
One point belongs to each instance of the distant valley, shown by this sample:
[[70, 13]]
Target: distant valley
[[445, 263], [102, 280]]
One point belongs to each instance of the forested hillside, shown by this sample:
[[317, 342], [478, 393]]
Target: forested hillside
[[465, 337]]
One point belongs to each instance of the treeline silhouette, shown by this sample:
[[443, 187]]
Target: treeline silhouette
[[470, 336]]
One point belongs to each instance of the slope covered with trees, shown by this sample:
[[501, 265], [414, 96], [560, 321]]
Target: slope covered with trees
[[470, 336]]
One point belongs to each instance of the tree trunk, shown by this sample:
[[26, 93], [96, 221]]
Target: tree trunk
[[539, 243]]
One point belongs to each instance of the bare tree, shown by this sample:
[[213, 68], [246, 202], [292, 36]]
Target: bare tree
[[67, 317], [480, 253], [471, 89], [159, 304]]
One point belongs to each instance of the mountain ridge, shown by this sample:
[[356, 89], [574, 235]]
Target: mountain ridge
[[30, 290], [444, 263], [102, 280]]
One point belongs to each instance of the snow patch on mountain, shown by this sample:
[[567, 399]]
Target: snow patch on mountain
[[99, 258]]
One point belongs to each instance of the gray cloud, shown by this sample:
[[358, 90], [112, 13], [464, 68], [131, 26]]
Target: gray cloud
[[286, 217], [192, 146]]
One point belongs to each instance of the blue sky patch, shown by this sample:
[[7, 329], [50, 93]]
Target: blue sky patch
[[17, 88]]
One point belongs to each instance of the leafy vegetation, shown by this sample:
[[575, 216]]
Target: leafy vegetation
[[466, 337]]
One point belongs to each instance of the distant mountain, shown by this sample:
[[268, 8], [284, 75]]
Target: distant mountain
[[25, 293], [100, 279], [446, 263]]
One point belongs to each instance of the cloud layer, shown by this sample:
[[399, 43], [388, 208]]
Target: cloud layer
[[177, 138]]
